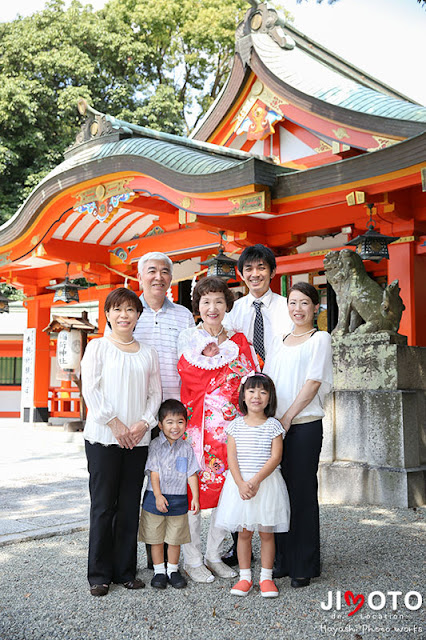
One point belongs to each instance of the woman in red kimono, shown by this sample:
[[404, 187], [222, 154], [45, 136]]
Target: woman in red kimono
[[211, 365]]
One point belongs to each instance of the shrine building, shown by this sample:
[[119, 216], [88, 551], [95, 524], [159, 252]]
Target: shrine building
[[297, 151]]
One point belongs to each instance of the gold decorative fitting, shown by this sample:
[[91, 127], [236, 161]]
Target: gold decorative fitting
[[257, 88], [322, 147], [355, 197], [186, 218], [382, 143], [82, 106], [253, 203], [100, 192], [350, 199], [186, 202], [404, 239], [39, 251], [340, 133], [320, 252], [256, 22], [94, 127], [110, 189]]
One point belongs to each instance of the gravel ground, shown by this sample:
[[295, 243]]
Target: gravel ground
[[44, 593]]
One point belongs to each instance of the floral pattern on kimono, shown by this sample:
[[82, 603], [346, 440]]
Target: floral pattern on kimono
[[210, 388]]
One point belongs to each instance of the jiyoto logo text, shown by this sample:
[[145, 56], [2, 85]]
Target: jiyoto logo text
[[375, 600]]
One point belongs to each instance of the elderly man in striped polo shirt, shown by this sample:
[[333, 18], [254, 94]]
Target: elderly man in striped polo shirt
[[161, 321]]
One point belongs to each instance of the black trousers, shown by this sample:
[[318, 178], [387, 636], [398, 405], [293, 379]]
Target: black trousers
[[298, 551], [115, 484]]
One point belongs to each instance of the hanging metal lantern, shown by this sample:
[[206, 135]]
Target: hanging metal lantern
[[66, 291], [372, 245], [4, 304], [220, 265]]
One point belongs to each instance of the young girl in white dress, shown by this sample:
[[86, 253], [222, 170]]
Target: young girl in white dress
[[254, 496]]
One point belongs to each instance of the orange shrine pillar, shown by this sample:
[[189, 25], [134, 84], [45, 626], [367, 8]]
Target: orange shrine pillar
[[401, 267], [39, 318], [102, 292], [420, 298]]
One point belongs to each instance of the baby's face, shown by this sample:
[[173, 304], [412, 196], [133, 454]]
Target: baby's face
[[211, 350]]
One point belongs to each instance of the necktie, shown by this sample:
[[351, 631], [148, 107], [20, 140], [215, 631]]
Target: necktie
[[258, 337]]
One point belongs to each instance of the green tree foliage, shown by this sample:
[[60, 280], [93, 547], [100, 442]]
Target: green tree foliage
[[157, 63], [11, 293]]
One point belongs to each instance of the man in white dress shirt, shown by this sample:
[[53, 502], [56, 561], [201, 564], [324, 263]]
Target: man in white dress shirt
[[257, 267], [260, 315]]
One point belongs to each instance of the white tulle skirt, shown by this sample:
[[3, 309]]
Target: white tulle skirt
[[268, 511]]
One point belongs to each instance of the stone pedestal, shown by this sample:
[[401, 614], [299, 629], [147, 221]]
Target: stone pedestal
[[374, 449]]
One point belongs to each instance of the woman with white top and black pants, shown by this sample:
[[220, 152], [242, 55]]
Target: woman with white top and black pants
[[300, 364], [122, 390]]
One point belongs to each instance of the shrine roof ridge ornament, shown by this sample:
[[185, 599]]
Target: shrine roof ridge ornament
[[265, 19], [99, 126]]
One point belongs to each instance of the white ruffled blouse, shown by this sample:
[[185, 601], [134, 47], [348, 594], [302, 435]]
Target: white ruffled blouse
[[119, 384]]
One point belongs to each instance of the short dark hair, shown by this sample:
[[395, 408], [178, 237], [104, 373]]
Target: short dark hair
[[172, 407], [307, 289], [212, 284], [120, 295], [257, 253], [265, 382]]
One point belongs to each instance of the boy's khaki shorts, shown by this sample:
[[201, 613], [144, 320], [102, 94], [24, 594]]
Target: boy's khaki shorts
[[155, 529]]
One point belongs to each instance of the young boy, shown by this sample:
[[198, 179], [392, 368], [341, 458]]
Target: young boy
[[171, 466]]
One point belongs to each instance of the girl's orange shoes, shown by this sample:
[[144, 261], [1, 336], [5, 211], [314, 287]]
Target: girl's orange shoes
[[268, 589], [242, 588]]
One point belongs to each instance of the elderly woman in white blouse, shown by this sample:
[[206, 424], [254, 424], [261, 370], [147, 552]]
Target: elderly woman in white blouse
[[300, 365], [122, 390]]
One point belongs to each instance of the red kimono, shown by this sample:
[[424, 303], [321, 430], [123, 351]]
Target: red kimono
[[210, 388]]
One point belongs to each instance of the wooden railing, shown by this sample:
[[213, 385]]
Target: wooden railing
[[64, 402]]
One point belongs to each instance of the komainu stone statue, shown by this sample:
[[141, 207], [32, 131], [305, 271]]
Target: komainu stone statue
[[364, 307]]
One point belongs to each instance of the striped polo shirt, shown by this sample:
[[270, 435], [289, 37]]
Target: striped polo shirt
[[160, 329]]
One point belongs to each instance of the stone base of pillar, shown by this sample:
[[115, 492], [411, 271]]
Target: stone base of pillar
[[40, 414], [374, 449], [359, 484]]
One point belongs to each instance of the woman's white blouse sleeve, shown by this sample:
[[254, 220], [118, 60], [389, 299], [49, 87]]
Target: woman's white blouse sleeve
[[91, 374], [154, 391], [320, 366]]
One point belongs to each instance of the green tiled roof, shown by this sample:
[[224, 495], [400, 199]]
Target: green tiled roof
[[309, 75], [177, 153], [177, 158]]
